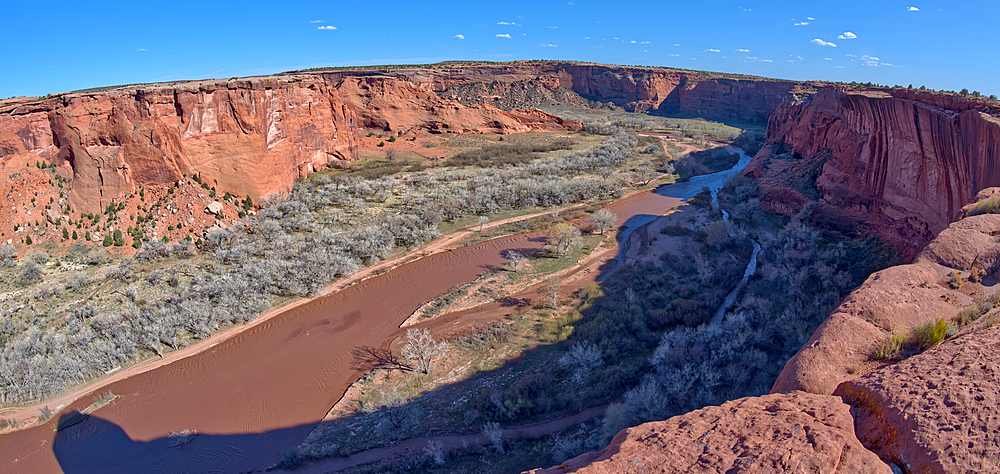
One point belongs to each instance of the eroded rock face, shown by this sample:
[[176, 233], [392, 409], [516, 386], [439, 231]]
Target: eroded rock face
[[795, 432], [900, 168], [251, 137], [935, 412]]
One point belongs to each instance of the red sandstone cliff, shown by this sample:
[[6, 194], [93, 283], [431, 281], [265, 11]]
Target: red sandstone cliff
[[897, 167]]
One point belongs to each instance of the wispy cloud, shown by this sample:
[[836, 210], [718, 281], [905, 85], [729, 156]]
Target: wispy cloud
[[645, 42], [752, 57], [553, 27], [674, 54], [586, 37], [851, 55], [327, 27], [828, 59], [713, 50], [502, 36], [459, 37], [315, 21], [820, 42], [766, 61], [507, 23], [802, 23], [848, 36], [677, 44], [546, 45], [741, 50], [870, 60], [840, 67], [913, 9], [141, 49], [810, 18], [632, 42]]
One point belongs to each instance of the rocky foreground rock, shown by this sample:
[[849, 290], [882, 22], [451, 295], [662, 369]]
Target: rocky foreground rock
[[795, 432]]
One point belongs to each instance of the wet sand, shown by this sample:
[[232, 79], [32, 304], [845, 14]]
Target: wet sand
[[260, 392]]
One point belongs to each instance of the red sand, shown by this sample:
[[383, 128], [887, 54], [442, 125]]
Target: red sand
[[260, 392]]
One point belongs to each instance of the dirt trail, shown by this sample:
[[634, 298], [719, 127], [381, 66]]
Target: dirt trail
[[414, 447]]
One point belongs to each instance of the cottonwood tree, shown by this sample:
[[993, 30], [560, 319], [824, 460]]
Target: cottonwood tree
[[645, 172], [421, 348], [582, 358], [482, 221], [603, 220], [515, 258], [550, 289], [563, 238]]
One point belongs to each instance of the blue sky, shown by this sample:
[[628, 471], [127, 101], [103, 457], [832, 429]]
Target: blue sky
[[60, 46]]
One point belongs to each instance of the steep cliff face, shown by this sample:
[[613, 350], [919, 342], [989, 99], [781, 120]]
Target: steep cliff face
[[895, 167], [251, 137]]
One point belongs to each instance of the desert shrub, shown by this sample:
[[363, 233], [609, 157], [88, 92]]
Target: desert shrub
[[889, 348], [7, 255], [929, 335], [500, 155], [29, 273], [986, 206]]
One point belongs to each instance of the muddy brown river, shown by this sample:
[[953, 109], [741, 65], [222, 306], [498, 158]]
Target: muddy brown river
[[258, 393]]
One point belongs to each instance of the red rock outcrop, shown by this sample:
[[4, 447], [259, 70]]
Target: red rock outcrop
[[897, 167], [796, 432], [935, 412], [251, 137]]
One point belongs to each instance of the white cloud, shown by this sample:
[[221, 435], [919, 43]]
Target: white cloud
[[741, 50], [913, 9], [810, 18], [674, 54], [546, 45], [315, 21], [851, 55], [712, 51], [766, 61], [503, 22], [676, 44], [553, 27], [586, 37], [645, 42], [870, 60], [801, 58], [615, 37], [328, 27], [632, 42], [751, 57], [828, 59], [823, 43], [459, 37], [790, 61], [503, 36], [802, 23], [848, 36], [840, 67], [141, 49]]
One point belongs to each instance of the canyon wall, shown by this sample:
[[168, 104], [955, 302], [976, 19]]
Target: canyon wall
[[251, 137], [900, 167]]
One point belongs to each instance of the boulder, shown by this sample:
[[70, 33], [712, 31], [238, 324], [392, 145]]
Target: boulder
[[214, 208], [794, 432]]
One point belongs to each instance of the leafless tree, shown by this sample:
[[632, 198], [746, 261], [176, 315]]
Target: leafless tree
[[603, 220], [482, 221], [421, 348], [550, 289], [564, 237], [515, 258], [370, 358], [645, 172]]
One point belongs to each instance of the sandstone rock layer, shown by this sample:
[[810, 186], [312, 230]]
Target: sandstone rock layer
[[935, 412], [794, 433], [900, 168]]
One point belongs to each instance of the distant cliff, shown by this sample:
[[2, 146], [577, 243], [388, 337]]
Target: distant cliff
[[897, 167]]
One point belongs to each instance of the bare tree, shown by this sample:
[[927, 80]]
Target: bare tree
[[515, 258], [645, 172], [550, 289], [582, 358], [421, 348], [370, 358], [482, 221], [7, 255], [493, 431], [564, 237], [603, 220]]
